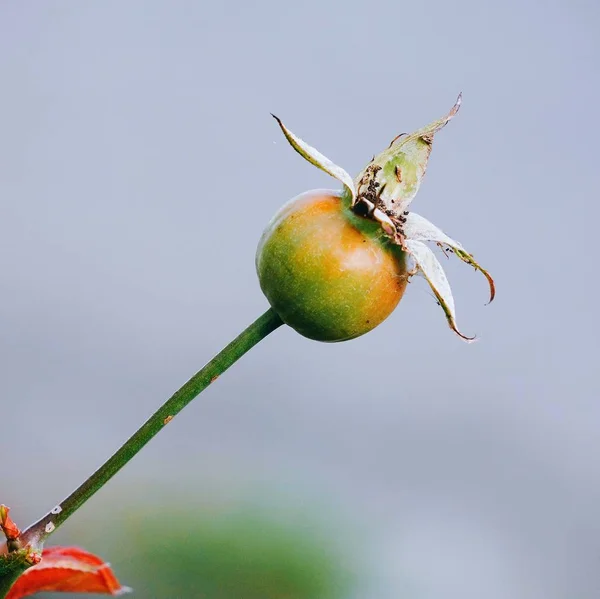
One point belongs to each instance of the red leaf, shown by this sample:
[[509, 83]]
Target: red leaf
[[67, 569]]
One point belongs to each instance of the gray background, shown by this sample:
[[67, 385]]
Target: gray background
[[138, 167]]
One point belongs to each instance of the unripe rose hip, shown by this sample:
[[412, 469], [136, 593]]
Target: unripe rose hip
[[329, 274]]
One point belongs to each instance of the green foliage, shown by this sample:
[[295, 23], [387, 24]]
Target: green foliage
[[225, 557]]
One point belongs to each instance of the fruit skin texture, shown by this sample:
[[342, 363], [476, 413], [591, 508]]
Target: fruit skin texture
[[328, 273]]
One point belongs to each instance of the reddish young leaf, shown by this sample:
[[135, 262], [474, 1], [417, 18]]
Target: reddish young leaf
[[67, 569], [9, 528]]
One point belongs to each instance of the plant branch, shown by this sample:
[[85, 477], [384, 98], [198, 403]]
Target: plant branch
[[258, 330]]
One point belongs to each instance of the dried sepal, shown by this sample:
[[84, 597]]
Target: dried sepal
[[429, 266], [317, 159], [426, 133], [420, 229], [399, 170]]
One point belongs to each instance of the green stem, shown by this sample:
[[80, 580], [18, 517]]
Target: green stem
[[9, 578], [258, 330]]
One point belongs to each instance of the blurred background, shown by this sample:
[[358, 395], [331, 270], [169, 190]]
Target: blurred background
[[138, 168]]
